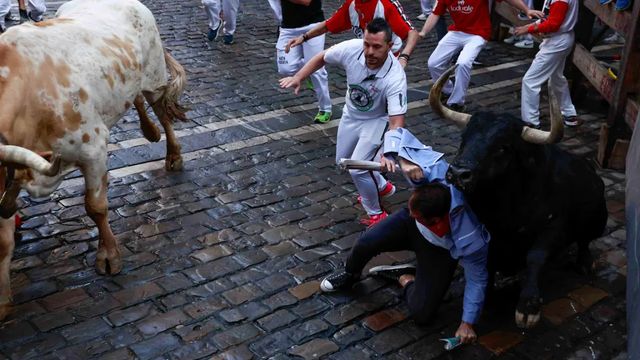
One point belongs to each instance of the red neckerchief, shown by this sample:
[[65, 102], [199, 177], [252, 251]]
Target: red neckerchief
[[442, 227]]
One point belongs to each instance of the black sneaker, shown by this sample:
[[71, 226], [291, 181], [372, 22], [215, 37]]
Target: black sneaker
[[11, 18], [339, 280], [392, 272], [571, 121]]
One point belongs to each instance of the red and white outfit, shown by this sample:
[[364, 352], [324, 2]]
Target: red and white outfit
[[470, 31], [549, 62], [356, 14]]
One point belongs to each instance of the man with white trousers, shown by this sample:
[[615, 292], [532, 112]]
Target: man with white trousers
[[230, 10], [376, 99], [33, 10], [557, 30], [470, 31], [298, 17]]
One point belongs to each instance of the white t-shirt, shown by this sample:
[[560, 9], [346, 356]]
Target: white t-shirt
[[371, 94]]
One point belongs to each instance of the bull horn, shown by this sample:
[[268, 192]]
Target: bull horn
[[28, 158], [557, 127], [460, 119]]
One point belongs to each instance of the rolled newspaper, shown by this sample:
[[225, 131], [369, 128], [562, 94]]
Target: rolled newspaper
[[346, 164], [451, 343]]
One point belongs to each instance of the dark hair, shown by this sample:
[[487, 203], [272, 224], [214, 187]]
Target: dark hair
[[430, 200], [379, 24]]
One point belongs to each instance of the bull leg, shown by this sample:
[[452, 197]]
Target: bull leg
[[108, 258], [528, 309], [173, 161], [149, 129], [7, 230]]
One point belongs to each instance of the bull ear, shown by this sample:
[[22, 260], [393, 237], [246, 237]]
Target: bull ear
[[557, 127], [460, 119]]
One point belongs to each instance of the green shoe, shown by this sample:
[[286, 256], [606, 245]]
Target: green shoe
[[308, 84], [322, 117]]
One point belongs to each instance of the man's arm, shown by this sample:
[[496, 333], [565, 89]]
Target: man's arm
[[412, 40], [309, 68], [395, 122], [429, 24], [476, 277], [317, 30]]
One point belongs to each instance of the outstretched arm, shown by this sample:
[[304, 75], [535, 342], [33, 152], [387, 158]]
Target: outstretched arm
[[429, 24], [317, 30], [309, 68]]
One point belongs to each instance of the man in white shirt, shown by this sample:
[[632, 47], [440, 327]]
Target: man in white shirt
[[376, 99]]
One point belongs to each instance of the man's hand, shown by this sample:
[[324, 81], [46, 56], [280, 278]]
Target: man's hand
[[422, 34], [411, 170], [521, 30], [291, 82], [387, 164], [535, 14], [466, 333], [293, 43]]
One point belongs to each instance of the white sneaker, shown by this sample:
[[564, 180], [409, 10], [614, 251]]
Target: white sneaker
[[422, 17], [511, 39], [614, 38], [524, 44]]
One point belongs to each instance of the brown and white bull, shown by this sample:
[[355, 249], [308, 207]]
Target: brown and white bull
[[63, 84]]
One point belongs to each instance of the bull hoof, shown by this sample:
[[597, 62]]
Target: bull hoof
[[527, 321], [151, 133], [528, 313], [173, 163], [108, 262]]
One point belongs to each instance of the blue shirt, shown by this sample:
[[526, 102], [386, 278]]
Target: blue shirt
[[468, 239]]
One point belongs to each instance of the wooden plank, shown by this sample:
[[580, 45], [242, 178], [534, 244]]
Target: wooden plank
[[594, 72], [510, 14], [602, 145], [620, 21], [629, 75], [631, 112], [618, 157]]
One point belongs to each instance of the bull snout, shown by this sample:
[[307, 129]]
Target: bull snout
[[461, 177]]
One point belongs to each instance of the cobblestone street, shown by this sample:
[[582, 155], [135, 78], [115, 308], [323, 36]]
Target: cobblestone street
[[223, 260]]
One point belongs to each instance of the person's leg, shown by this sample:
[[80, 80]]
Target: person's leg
[[288, 63], [441, 57], [369, 183], [543, 65], [426, 7], [5, 8], [561, 87], [472, 46], [320, 78], [390, 234], [434, 272], [36, 9], [230, 11], [212, 8]]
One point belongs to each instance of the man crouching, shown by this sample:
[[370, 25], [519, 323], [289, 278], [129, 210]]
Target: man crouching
[[437, 225]]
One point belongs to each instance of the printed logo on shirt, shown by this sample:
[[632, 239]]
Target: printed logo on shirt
[[360, 97], [461, 7], [358, 32]]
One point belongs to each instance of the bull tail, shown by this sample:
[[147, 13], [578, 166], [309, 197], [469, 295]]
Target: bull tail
[[173, 90]]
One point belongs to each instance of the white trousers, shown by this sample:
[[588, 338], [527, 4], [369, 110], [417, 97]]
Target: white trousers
[[289, 64], [229, 9], [441, 58], [547, 65], [427, 6], [5, 7], [36, 9], [362, 140], [277, 9]]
